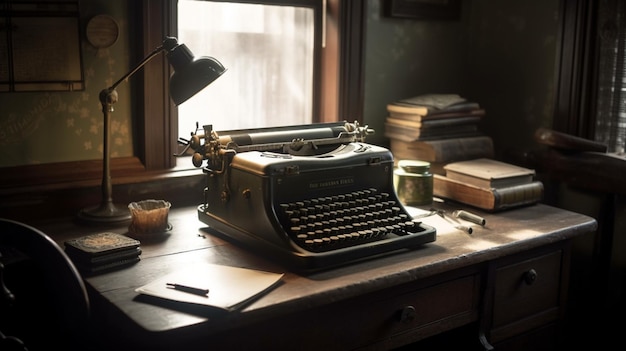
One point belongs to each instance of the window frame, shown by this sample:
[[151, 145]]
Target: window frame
[[576, 104], [318, 37], [341, 79]]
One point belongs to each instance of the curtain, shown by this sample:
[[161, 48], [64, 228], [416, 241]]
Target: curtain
[[610, 112]]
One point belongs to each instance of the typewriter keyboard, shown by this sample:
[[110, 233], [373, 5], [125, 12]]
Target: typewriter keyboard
[[344, 220]]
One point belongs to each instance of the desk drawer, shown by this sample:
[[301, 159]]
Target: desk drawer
[[372, 322], [526, 295], [421, 313]]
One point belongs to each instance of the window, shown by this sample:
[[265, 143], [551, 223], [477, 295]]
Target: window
[[269, 52], [337, 78], [610, 114], [591, 99]]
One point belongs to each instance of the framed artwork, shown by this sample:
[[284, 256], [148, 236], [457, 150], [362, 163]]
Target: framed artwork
[[32, 56], [424, 9]]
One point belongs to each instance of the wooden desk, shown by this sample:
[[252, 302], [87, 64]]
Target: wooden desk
[[377, 304]]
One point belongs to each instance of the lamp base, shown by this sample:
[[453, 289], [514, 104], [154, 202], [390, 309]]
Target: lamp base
[[106, 212]]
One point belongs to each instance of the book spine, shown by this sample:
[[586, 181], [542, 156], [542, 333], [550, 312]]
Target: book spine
[[411, 116], [444, 150], [405, 109], [433, 123], [447, 122], [412, 134], [104, 259], [459, 149], [77, 252], [518, 195], [91, 269]]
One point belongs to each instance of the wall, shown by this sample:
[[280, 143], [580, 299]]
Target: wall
[[512, 68], [405, 57], [50, 127], [501, 54]]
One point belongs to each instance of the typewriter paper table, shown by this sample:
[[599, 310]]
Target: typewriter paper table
[[458, 280]]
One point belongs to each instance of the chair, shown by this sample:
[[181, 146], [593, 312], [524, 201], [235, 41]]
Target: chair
[[43, 300]]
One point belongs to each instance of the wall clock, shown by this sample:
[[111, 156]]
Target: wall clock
[[102, 31]]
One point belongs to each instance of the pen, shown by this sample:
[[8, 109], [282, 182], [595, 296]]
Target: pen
[[454, 222], [464, 228], [468, 216], [189, 289]]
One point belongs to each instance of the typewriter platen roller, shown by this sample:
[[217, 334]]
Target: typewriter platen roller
[[311, 197]]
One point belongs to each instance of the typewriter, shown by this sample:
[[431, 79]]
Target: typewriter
[[310, 196]]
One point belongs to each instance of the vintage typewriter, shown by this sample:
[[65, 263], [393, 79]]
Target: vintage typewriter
[[311, 196]]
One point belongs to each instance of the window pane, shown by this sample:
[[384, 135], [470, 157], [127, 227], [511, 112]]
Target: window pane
[[611, 94], [268, 51]]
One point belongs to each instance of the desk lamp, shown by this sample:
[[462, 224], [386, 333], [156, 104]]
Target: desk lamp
[[191, 74]]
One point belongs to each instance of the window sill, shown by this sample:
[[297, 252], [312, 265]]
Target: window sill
[[61, 190]]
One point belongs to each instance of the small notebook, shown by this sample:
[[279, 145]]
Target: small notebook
[[97, 253], [229, 287], [100, 244]]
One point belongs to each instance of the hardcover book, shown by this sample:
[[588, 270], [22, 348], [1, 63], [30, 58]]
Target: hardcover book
[[106, 259], [443, 150], [489, 173], [400, 132], [434, 123], [430, 104], [437, 101], [101, 244], [490, 199], [400, 112]]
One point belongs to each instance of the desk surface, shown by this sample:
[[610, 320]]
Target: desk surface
[[505, 233]]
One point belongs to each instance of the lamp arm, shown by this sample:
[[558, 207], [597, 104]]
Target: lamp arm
[[138, 67]]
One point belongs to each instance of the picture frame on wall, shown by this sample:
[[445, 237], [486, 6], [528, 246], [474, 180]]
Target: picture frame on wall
[[424, 9]]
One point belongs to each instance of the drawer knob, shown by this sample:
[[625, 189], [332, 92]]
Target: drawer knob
[[530, 276], [407, 314]]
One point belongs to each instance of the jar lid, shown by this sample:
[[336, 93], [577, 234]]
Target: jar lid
[[414, 166]]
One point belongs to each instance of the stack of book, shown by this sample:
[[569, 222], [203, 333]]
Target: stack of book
[[438, 128], [102, 252], [488, 184]]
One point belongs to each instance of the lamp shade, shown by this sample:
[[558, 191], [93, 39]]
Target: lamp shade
[[191, 74]]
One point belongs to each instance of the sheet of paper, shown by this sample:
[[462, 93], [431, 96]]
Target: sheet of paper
[[442, 225], [229, 287]]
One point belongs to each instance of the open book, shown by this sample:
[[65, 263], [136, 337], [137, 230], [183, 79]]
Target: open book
[[228, 287]]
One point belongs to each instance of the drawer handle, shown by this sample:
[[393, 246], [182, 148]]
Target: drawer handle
[[530, 276], [407, 314]]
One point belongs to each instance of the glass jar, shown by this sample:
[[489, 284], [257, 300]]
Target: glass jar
[[413, 182]]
